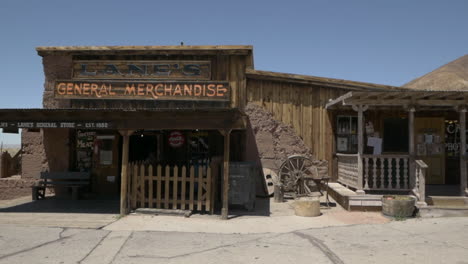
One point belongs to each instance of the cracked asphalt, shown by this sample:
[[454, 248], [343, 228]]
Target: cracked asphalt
[[438, 240]]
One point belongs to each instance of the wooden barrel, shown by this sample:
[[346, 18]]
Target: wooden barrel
[[308, 206], [398, 205]]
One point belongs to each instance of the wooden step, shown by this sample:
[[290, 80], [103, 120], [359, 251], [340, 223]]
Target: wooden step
[[366, 202], [447, 201], [351, 201]]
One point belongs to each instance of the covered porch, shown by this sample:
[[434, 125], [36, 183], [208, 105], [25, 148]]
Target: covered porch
[[397, 142], [119, 125]]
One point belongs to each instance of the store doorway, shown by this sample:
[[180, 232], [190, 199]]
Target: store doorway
[[175, 169], [98, 152], [107, 165]]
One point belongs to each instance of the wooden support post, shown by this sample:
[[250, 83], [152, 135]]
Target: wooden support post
[[463, 172], [360, 109], [412, 160], [124, 176], [421, 188], [225, 209]]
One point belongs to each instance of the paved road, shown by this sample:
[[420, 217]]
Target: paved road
[[441, 240]]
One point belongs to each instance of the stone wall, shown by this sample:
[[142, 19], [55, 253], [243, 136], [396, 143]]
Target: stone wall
[[48, 150], [5, 164], [2, 167], [33, 158], [275, 141], [56, 147], [55, 68], [11, 188]]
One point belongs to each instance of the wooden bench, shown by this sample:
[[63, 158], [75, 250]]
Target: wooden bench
[[73, 180]]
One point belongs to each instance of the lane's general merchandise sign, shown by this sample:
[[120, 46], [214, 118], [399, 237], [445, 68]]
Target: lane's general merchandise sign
[[142, 80], [208, 91]]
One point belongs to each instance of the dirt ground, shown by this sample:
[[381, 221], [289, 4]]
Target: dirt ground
[[14, 187], [13, 193]]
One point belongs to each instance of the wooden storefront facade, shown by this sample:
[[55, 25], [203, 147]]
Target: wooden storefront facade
[[130, 114], [108, 110]]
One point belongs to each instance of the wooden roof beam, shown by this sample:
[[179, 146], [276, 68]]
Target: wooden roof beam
[[418, 95], [403, 95], [403, 102], [455, 95], [336, 101]]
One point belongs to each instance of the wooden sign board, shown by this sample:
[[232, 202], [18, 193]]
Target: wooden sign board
[[193, 91], [80, 125], [123, 69]]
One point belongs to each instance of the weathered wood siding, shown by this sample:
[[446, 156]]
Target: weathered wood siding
[[301, 106]]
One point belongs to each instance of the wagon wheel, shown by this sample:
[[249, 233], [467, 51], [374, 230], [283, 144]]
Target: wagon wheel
[[295, 174]]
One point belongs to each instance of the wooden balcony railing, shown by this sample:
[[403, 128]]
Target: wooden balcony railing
[[348, 170], [386, 172]]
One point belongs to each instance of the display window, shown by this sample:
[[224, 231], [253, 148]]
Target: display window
[[346, 134]]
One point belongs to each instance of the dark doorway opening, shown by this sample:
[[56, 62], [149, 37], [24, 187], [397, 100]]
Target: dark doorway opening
[[143, 147], [395, 135]]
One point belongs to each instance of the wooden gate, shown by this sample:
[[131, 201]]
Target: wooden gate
[[171, 187]]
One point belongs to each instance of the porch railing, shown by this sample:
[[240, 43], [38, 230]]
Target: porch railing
[[420, 182], [348, 170], [170, 187], [386, 172]]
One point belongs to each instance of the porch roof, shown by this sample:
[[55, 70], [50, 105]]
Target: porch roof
[[130, 119], [429, 100]]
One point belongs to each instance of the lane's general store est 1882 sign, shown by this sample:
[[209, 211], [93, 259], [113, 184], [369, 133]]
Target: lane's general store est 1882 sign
[[79, 125], [142, 90]]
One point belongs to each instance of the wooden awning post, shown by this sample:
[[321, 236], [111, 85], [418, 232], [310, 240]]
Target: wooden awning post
[[360, 126], [225, 210], [463, 172], [124, 176], [412, 160]]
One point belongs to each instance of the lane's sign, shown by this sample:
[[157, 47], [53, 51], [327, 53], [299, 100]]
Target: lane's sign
[[193, 91], [123, 69], [80, 125]]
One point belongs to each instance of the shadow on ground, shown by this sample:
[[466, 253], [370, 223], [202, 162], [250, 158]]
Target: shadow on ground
[[262, 208], [61, 205]]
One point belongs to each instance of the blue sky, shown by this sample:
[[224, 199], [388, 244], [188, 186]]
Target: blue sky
[[386, 42]]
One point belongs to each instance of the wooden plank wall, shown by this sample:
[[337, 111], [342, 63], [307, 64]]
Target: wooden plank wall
[[301, 106], [232, 68]]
